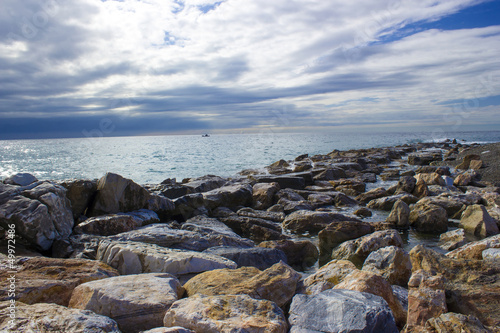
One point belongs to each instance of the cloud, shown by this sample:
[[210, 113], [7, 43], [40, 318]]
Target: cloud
[[232, 64]]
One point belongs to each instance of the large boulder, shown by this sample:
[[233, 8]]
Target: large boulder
[[40, 212], [263, 194], [338, 232], [452, 240], [261, 214], [386, 203], [256, 229], [374, 284], [135, 258], [475, 250], [284, 181], [372, 194], [392, 263], [20, 179], [400, 215], [113, 224], [455, 323], [303, 221], [424, 158], [430, 179], [277, 283], [135, 302], [81, 193], [472, 287], [327, 276], [357, 250], [452, 204], [226, 313], [300, 254], [49, 280], [429, 218], [476, 220], [43, 317], [231, 196], [341, 311], [258, 257], [205, 183]]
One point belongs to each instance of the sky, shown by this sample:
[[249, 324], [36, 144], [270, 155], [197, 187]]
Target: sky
[[89, 68]]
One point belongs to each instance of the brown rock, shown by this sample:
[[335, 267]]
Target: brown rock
[[386, 203], [452, 239], [263, 194], [421, 190], [456, 323], [392, 263], [80, 193], [372, 194], [308, 221], [426, 298], [476, 164], [466, 161], [474, 250], [429, 218], [49, 280], [463, 179], [400, 215], [300, 253], [431, 178], [328, 276], [476, 220], [363, 212]]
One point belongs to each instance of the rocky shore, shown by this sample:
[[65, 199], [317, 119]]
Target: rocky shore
[[297, 247]]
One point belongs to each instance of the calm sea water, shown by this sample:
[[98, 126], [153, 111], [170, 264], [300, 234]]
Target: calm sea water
[[152, 159]]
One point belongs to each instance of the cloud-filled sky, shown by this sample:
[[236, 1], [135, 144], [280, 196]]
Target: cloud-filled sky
[[137, 67]]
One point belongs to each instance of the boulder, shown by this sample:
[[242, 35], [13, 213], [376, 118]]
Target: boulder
[[464, 165], [430, 179], [424, 158], [400, 215], [258, 257], [338, 232], [256, 229], [452, 239], [226, 313], [319, 199], [43, 317], [406, 184], [188, 206], [327, 276], [40, 212], [363, 212], [392, 263], [107, 225], [341, 311], [331, 173], [175, 329], [472, 287], [429, 218], [230, 196], [80, 193], [463, 179], [135, 258], [263, 194], [386, 203], [357, 250], [300, 254], [135, 302], [276, 284], [456, 323], [372, 283], [475, 250], [20, 179], [290, 206], [49, 280], [307, 221], [205, 183], [261, 214], [402, 295], [372, 194], [452, 204], [284, 181], [421, 189], [351, 187], [476, 220], [491, 254]]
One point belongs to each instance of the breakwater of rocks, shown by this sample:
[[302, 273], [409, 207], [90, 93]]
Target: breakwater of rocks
[[297, 247]]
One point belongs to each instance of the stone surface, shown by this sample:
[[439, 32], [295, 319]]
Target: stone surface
[[20, 179], [136, 258], [262, 214], [431, 178], [256, 229], [452, 204], [386, 203], [357, 250], [80, 193], [43, 317], [135, 302], [276, 284], [452, 239], [258, 257], [226, 313], [372, 194], [491, 254], [107, 225], [476, 220], [263, 194], [308, 221], [284, 181], [372, 283], [327, 276], [40, 212], [175, 329], [341, 311], [455, 323], [475, 250], [400, 215], [205, 183], [230, 196], [406, 184], [49, 280], [392, 263], [472, 286], [429, 218], [463, 179], [466, 161], [300, 254]]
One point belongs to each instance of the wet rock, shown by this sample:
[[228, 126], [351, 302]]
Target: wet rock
[[226, 313], [307, 221], [260, 214], [476, 220], [400, 215], [456, 323], [49, 280], [452, 239], [54, 318], [40, 212], [372, 194], [392, 263], [300, 254], [20, 179], [429, 218], [263, 194], [135, 258], [386, 203], [259, 257], [363, 212], [135, 302], [357, 250], [341, 311], [474, 250], [276, 283], [327, 277], [230, 196], [372, 283], [256, 229], [338, 232], [80, 193]]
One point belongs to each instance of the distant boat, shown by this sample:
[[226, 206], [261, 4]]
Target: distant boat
[[205, 135]]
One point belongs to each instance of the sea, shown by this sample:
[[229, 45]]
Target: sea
[[152, 159]]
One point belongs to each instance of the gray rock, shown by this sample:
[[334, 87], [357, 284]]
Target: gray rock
[[20, 179], [307, 221], [401, 295], [400, 215], [341, 311], [392, 263], [386, 203], [189, 205], [259, 257], [491, 254], [256, 229], [263, 194], [452, 240], [80, 193], [107, 225], [175, 329], [230, 196], [284, 181], [205, 183], [260, 214]]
